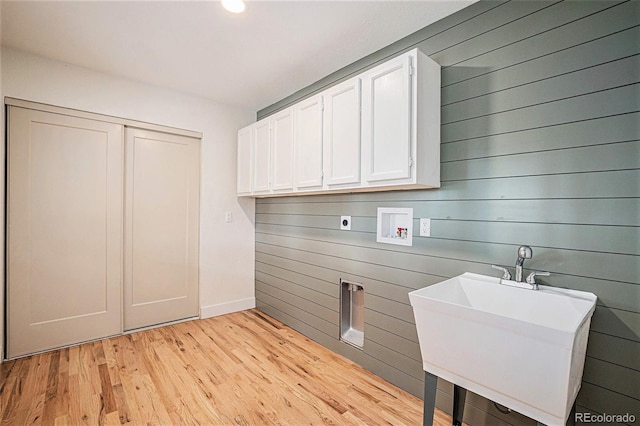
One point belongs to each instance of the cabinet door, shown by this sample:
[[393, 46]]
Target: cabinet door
[[261, 157], [308, 147], [64, 230], [282, 151], [342, 133], [161, 228], [386, 121], [244, 160]]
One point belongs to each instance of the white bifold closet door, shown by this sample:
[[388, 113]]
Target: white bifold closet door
[[64, 230], [161, 228]]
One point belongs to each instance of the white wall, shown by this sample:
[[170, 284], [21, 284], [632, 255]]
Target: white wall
[[226, 249]]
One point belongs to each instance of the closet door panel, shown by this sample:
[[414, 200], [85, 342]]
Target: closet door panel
[[161, 228], [64, 230]]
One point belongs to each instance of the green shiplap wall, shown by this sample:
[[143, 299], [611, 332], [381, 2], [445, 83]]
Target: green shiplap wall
[[540, 146]]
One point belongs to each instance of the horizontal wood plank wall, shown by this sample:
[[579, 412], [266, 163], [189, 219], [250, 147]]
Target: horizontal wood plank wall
[[540, 146]]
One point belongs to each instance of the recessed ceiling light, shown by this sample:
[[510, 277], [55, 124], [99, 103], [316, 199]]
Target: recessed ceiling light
[[234, 6]]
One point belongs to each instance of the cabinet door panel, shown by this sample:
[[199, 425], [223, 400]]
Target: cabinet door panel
[[244, 160], [387, 121], [261, 157], [64, 234], [342, 133], [282, 154], [161, 228], [308, 146]]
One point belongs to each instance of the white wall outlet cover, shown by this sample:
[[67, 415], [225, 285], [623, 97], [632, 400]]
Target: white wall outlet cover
[[425, 227], [345, 223], [228, 217]]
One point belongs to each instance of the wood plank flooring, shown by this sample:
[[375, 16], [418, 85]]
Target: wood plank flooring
[[244, 368]]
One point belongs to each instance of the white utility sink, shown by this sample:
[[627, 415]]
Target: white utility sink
[[521, 348]]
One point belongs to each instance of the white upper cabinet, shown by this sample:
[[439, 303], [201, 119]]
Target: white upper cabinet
[[261, 157], [282, 150], [342, 134], [379, 130], [265, 155], [308, 143], [386, 121], [245, 145], [401, 123]]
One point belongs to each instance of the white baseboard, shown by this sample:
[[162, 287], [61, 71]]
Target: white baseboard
[[227, 307]]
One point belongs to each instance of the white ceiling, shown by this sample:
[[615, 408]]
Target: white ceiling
[[253, 60]]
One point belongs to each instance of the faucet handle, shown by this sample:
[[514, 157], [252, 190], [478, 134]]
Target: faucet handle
[[506, 275], [531, 278]]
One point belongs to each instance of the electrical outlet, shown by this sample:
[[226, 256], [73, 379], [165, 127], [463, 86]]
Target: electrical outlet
[[228, 217], [425, 227], [345, 223]]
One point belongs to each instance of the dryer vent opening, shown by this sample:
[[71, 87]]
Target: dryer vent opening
[[352, 313]]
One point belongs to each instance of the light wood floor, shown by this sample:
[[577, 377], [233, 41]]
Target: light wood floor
[[240, 369]]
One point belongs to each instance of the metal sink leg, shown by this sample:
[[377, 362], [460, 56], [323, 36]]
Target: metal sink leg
[[459, 395], [430, 384]]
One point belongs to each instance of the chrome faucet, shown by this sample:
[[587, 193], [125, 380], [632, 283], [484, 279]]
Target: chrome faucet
[[524, 252]]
